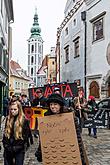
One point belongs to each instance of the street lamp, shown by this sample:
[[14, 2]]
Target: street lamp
[[83, 18]]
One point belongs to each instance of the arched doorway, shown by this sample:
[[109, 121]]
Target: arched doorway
[[94, 89]]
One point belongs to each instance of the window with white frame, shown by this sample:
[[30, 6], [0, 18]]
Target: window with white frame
[[98, 29], [66, 54], [76, 47]]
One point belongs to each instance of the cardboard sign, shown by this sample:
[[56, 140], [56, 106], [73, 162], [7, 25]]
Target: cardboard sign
[[66, 89], [59, 140], [96, 119]]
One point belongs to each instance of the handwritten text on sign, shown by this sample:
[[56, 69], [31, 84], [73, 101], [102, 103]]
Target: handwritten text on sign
[[59, 140]]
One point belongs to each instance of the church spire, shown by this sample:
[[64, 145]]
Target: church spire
[[35, 30]]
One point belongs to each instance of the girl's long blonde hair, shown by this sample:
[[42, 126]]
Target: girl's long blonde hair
[[18, 123]]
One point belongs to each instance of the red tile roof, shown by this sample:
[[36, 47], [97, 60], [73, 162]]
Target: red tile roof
[[14, 65]]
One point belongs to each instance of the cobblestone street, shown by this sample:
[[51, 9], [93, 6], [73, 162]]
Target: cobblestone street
[[98, 150]]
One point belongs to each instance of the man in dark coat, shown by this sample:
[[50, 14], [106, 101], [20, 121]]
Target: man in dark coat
[[39, 101], [92, 105]]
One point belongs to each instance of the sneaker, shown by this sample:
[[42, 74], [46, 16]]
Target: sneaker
[[95, 136]]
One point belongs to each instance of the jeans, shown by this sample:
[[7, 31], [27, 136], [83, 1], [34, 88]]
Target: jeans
[[17, 157], [94, 131]]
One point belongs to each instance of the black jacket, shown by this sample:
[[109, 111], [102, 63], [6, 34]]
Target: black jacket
[[13, 145], [41, 101]]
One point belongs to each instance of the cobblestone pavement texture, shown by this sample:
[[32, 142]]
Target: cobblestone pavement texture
[[98, 150]]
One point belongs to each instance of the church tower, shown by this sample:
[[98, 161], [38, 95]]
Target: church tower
[[35, 50]]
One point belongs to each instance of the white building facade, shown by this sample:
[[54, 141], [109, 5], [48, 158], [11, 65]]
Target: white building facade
[[71, 39], [35, 51], [83, 46], [98, 48]]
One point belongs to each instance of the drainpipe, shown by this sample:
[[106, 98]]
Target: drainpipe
[[83, 18]]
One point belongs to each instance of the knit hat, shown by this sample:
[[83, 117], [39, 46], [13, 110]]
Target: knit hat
[[55, 98], [91, 98]]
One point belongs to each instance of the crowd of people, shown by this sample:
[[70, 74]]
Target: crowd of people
[[17, 135]]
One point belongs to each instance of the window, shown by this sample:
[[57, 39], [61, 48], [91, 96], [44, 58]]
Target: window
[[94, 89], [98, 29], [67, 54], [32, 60], [76, 47], [52, 62], [32, 48], [74, 22], [35, 80], [31, 71], [66, 31]]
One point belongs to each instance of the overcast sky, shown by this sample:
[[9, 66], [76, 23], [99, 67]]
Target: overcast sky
[[50, 14]]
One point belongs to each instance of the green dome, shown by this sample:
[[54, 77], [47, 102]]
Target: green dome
[[35, 30]]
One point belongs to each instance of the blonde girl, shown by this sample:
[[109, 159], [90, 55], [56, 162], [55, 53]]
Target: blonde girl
[[16, 136]]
